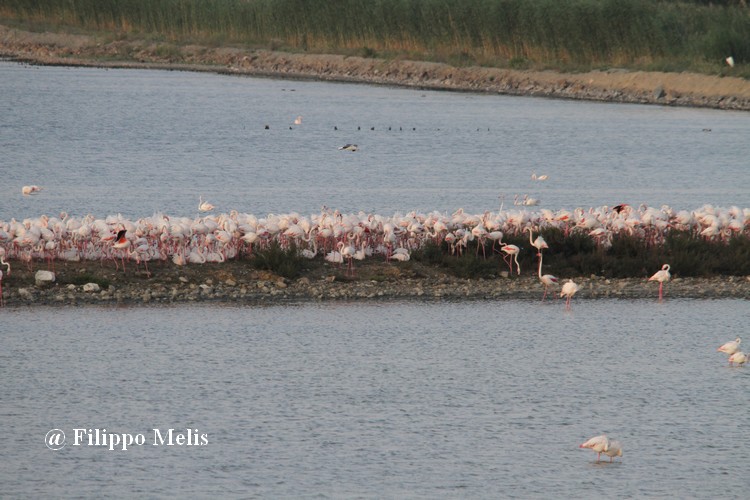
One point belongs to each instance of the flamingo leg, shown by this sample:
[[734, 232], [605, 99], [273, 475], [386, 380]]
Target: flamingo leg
[[661, 287]]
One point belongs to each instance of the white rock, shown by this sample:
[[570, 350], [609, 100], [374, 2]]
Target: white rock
[[44, 278], [91, 287]]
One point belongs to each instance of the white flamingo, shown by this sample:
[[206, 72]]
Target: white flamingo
[[614, 449], [568, 290], [738, 357], [662, 276], [730, 347], [204, 206], [539, 243], [600, 444], [511, 255]]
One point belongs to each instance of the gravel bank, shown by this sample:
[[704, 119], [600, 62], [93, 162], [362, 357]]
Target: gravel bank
[[616, 85], [236, 282]]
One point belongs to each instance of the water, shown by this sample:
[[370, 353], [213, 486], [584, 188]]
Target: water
[[378, 400], [136, 141]]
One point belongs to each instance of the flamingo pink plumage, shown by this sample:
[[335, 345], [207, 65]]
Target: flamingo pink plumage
[[662, 276]]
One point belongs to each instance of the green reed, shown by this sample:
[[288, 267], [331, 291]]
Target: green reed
[[654, 34]]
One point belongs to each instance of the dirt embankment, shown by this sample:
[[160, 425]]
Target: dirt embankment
[[236, 281], [676, 89]]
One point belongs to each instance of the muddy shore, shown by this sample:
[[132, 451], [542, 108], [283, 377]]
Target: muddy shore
[[237, 282], [614, 85]]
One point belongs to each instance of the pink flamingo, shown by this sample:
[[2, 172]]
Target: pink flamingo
[[662, 276], [538, 243], [730, 347], [568, 290], [511, 255], [738, 357], [547, 279], [2, 263], [121, 243], [600, 444]]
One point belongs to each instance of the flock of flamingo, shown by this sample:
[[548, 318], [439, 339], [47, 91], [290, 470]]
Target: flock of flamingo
[[343, 238]]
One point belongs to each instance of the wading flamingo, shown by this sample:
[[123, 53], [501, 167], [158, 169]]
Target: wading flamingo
[[204, 206], [568, 290], [614, 450], [600, 444], [662, 276], [27, 190], [546, 279], [731, 347], [738, 357]]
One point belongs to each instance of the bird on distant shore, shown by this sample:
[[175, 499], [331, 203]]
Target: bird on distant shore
[[511, 255], [539, 243], [546, 279], [662, 276], [298, 120], [349, 147]]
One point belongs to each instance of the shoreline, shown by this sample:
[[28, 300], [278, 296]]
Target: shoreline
[[236, 282], [614, 85]]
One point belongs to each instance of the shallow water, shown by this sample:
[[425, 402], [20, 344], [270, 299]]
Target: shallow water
[[137, 141], [378, 400]]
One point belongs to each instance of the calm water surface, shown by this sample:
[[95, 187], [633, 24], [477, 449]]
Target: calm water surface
[[136, 141], [379, 400]]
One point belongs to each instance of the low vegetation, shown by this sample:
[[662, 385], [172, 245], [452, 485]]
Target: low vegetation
[[660, 35]]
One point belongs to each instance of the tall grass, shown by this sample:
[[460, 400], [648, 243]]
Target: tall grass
[[545, 32]]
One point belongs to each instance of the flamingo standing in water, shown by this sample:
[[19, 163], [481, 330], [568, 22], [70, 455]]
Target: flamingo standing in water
[[569, 289], [614, 450], [600, 444], [546, 279], [738, 357], [662, 276], [730, 347], [204, 206]]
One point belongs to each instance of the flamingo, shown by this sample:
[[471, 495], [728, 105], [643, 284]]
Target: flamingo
[[121, 243], [349, 147], [569, 289], [298, 120], [600, 444], [738, 357], [730, 347], [614, 450], [546, 279], [538, 243], [535, 177], [662, 276], [511, 255], [2, 263], [204, 206], [27, 190]]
